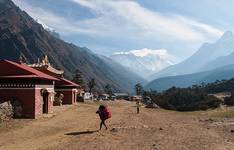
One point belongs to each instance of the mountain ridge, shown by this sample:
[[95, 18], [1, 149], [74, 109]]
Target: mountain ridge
[[22, 35], [206, 53], [219, 62], [183, 81]]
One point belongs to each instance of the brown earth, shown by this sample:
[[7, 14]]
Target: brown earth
[[75, 127]]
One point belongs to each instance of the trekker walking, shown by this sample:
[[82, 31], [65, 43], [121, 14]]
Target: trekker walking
[[138, 106], [104, 114]]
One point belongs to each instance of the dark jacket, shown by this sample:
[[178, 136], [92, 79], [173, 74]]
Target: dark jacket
[[101, 112]]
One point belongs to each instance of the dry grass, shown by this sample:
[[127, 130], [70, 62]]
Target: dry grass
[[229, 113]]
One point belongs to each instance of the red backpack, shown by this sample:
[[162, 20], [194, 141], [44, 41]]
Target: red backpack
[[107, 113]]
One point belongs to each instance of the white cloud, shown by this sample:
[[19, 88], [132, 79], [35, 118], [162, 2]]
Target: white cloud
[[125, 23], [132, 17], [116, 19], [201, 26], [85, 3]]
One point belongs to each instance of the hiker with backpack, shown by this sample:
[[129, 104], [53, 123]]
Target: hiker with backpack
[[104, 114]]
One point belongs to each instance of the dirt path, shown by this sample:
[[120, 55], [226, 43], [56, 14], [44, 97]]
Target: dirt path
[[75, 128]]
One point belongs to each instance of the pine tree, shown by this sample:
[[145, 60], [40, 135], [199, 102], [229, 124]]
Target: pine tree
[[108, 90], [139, 89], [91, 85], [77, 78]]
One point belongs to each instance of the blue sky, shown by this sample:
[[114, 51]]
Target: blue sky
[[108, 26]]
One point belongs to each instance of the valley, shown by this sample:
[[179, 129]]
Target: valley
[[61, 60], [139, 60]]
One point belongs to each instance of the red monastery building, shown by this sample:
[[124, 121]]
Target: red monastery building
[[32, 88], [36, 86], [68, 89]]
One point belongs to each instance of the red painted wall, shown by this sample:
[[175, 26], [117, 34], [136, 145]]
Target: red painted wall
[[31, 99], [25, 96], [69, 97]]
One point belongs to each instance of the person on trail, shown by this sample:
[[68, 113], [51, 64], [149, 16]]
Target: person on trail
[[104, 114], [138, 106]]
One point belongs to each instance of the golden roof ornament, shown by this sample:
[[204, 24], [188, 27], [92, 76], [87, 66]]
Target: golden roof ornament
[[20, 59], [44, 64], [45, 61]]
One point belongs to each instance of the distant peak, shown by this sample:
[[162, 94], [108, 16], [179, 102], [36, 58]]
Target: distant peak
[[227, 35], [144, 52]]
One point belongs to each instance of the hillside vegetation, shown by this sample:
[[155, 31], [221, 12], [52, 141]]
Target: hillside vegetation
[[196, 97]]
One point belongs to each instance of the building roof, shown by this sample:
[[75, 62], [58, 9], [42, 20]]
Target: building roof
[[44, 65], [10, 69], [121, 94], [66, 83], [47, 67]]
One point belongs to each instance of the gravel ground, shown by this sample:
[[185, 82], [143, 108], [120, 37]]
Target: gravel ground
[[75, 127]]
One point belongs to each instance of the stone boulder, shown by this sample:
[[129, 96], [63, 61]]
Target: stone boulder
[[6, 110], [10, 109]]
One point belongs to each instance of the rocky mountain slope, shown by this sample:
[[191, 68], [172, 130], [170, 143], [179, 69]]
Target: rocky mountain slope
[[22, 35], [219, 62]]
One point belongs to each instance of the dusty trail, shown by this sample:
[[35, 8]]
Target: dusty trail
[[75, 128]]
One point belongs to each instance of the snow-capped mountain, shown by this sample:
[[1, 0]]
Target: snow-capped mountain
[[145, 61]]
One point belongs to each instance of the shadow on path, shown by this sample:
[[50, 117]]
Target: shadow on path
[[82, 132]]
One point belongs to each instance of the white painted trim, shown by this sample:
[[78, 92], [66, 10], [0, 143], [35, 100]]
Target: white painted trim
[[20, 88], [17, 86]]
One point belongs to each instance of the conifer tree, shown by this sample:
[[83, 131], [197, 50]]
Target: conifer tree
[[77, 78], [91, 84]]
